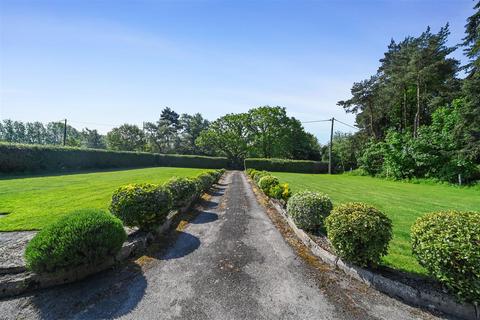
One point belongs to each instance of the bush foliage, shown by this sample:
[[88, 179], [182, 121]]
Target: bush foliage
[[204, 180], [267, 182], [141, 205], [447, 244], [82, 237], [309, 209], [280, 191], [359, 233], [271, 186], [182, 190], [30, 158], [286, 165]]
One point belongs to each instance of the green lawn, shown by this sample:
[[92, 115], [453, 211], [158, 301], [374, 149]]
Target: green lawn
[[35, 201], [402, 202]]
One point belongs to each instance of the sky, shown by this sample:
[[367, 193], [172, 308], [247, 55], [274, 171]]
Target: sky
[[100, 64]]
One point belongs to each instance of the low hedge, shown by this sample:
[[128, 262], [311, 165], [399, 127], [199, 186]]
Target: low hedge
[[359, 233], [309, 209], [141, 205], [16, 158], [285, 165], [267, 182], [257, 175], [82, 237], [182, 190], [447, 244], [204, 180], [274, 189], [280, 191]]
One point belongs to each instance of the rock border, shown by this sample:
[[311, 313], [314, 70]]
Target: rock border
[[15, 283], [419, 297]]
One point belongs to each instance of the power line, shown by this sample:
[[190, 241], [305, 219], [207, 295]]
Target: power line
[[95, 124], [316, 121], [346, 124]]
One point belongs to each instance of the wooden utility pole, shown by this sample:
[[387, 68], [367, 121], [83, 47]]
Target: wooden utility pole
[[65, 133], [330, 148]]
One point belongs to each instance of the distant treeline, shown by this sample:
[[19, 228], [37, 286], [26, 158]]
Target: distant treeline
[[265, 132]]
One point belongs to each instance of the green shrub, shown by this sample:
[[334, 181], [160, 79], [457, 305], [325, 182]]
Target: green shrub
[[83, 237], [259, 174], [182, 190], [359, 233], [447, 244], [286, 165], [309, 209], [204, 180], [30, 158], [280, 191], [275, 192], [251, 172], [286, 192], [267, 182], [141, 205]]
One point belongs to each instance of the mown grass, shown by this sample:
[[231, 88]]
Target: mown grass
[[402, 202], [32, 202]]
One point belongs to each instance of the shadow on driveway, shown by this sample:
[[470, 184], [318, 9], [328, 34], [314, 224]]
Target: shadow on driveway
[[109, 294], [205, 217], [185, 243]]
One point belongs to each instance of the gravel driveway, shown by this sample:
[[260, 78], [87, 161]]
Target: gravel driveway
[[229, 262]]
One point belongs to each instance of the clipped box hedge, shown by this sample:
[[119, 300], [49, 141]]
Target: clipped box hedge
[[30, 158], [286, 165]]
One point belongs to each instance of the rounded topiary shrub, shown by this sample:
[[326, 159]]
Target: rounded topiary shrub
[[182, 190], [359, 233], [280, 191], [309, 209], [447, 244], [268, 182], [204, 180], [259, 174], [141, 205], [83, 237], [251, 172]]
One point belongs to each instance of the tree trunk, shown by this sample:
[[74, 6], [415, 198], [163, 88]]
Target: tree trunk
[[371, 120], [417, 114], [405, 108]]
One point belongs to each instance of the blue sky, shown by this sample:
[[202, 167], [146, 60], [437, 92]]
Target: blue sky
[[104, 63]]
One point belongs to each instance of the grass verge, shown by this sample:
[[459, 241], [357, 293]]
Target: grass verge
[[32, 202], [402, 202]]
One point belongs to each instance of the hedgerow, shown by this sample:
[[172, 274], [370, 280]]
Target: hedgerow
[[309, 209], [83, 237], [286, 165], [30, 158], [141, 205], [359, 233], [447, 244]]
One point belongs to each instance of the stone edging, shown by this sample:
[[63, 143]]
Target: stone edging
[[422, 298], [17, 283]]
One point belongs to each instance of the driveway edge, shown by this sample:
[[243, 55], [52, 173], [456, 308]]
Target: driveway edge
[[415, 296]]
